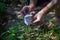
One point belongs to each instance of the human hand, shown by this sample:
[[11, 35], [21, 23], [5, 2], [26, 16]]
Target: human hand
[[27, 9], [38, 18]]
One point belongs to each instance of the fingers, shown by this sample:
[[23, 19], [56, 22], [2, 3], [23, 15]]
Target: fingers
[[37, 19], [25, 10]]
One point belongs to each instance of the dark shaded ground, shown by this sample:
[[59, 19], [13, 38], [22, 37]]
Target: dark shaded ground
[[13, 19]]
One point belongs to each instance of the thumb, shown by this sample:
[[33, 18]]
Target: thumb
[[36, 20]]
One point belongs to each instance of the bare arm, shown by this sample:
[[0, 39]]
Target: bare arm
[[48, 7], [33, 2], [38, 17]]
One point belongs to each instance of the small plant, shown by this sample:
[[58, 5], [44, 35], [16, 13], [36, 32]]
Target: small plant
[[23, 32], [19, 31]]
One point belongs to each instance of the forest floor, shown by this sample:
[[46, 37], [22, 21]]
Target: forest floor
[[19, 31]]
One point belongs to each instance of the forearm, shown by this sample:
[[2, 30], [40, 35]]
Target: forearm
[[33, 2], [48, 7]]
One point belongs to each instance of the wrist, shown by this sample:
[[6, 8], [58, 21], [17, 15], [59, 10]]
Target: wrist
[[32, 5], [42, 14]]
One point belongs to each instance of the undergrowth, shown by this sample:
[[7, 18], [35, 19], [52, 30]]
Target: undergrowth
[[23, 32]]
